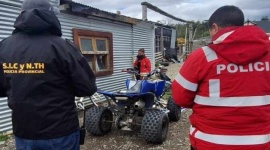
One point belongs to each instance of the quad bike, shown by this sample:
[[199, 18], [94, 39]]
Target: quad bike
[[160, 73], [137, 108]]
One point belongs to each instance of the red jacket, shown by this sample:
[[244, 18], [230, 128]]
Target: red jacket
[[227, 85], [145, 65]]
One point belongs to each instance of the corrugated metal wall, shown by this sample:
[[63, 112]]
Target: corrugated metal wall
[[127, 39], [122, 43], [5, 116], [8, 15]]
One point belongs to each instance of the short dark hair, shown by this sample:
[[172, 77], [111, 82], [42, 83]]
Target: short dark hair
[[141, 50], [226, 16]]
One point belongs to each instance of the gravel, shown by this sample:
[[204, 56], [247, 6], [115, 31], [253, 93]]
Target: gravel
[[177, 138], [9, 144]]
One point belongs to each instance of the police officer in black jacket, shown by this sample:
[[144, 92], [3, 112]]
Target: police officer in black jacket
[[43, 74]]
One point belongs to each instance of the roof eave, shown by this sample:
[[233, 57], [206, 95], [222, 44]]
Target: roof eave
[[84, 10]]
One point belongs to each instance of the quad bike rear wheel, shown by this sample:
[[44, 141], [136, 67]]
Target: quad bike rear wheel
[[154, 127], [175, 110], [98, 120]]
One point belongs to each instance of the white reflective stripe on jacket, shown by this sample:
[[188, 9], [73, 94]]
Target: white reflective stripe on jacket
[[231, 139], [233, 101], [185, 83]]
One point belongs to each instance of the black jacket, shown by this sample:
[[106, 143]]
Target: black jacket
[[43, 75]]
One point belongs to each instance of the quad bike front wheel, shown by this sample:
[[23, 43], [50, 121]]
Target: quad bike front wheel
[[154, 127], [175, 110], [98, 120]]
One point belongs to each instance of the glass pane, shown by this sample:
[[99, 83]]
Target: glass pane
[[89, 60], [101, 45], [164, 38], [86, 44], [101, 62]]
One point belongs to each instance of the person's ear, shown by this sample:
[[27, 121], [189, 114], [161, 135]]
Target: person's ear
[[214, 29]]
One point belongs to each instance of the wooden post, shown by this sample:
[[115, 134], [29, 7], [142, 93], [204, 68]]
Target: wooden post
[[190, 37]]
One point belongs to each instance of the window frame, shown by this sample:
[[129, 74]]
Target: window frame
[[157, 43], [93, 35]]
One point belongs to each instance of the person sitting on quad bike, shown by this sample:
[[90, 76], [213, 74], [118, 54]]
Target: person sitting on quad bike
[[142, 63]]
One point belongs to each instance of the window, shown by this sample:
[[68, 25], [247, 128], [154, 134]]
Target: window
[[157, 43], [97, 48]]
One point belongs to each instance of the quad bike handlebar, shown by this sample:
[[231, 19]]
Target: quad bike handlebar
[[131, 71], [135, 71]]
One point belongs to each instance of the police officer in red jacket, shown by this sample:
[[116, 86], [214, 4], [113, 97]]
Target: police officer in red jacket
[[227, 85], [142, 63]]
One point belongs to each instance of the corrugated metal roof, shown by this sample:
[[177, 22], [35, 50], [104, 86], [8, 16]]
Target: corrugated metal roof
[[89, 10], [83, 9]]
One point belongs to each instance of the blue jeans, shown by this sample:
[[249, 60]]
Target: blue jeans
[[68, 142]]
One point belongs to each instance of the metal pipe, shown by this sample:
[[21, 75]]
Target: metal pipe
[[156, 9], [144, 12]]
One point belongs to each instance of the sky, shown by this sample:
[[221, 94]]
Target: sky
[[196, 10]]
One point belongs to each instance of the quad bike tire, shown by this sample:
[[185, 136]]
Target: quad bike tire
[[154, 127], [175, 110], [98, 120]]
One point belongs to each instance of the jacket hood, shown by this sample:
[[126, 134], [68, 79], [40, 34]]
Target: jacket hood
[[37, 21], [241, 45]]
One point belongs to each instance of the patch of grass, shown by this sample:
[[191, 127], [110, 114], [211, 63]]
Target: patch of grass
[[166, 95], [3, 137]]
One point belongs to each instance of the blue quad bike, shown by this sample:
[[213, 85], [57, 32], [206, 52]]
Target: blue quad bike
[[138, 108]]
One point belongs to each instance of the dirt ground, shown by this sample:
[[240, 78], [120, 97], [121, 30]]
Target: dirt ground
[[177, 138]]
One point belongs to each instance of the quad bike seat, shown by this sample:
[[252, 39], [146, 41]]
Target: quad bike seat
[[134, 89], [144, 86]]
